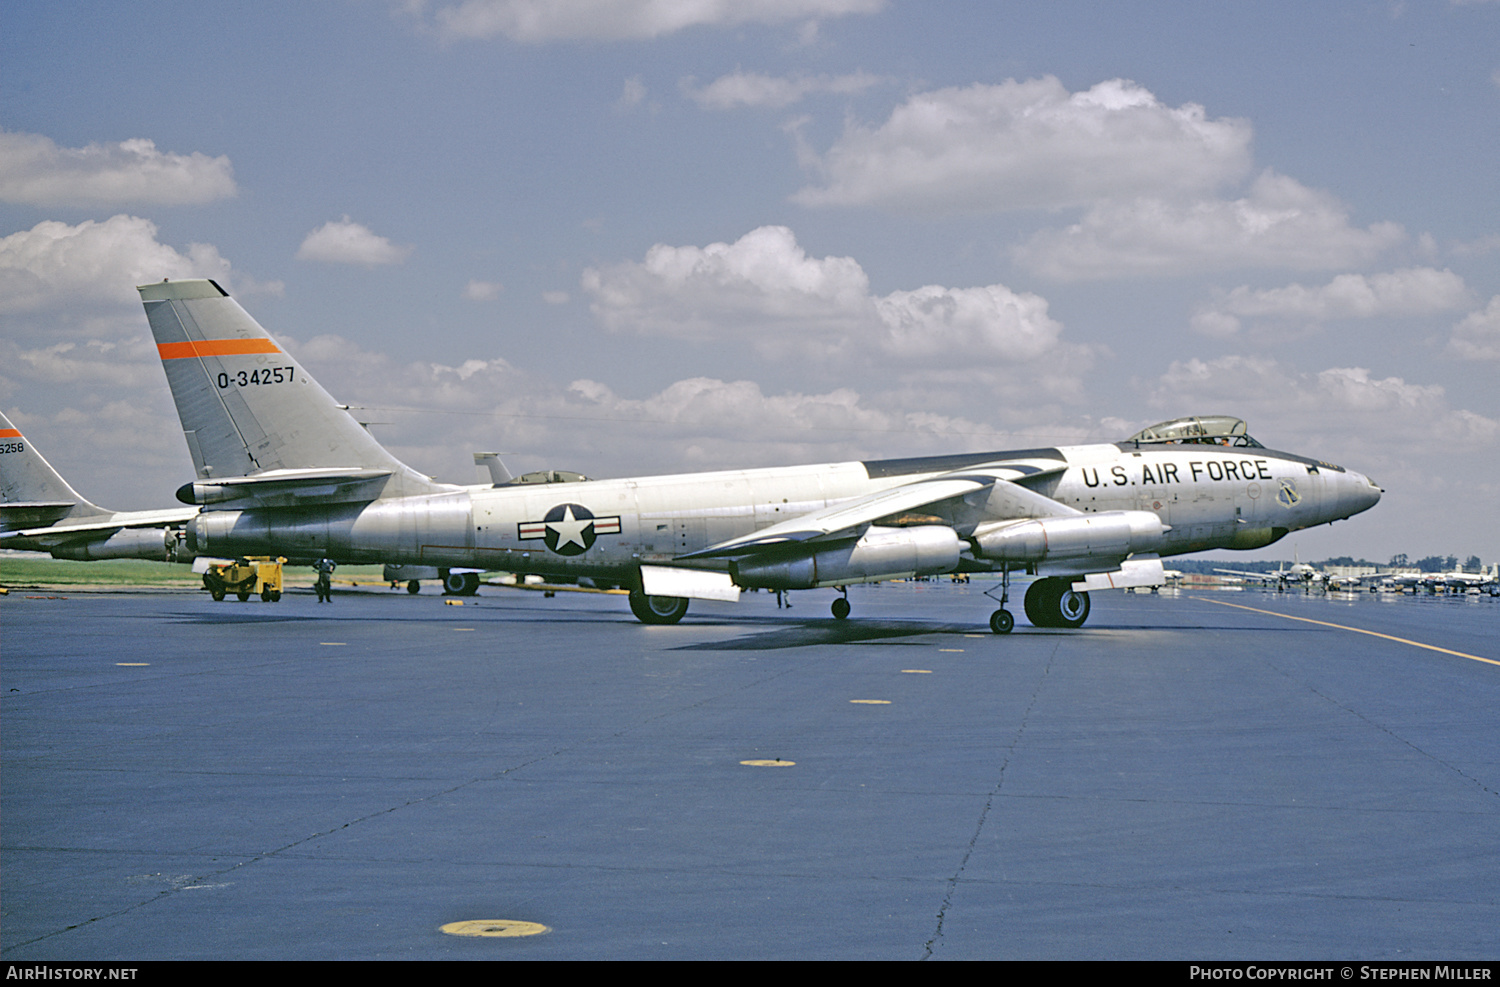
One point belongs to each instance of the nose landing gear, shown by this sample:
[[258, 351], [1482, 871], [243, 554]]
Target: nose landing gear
[[1002, 621]]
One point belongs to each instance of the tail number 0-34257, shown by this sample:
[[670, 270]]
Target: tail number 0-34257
[[264, 375]]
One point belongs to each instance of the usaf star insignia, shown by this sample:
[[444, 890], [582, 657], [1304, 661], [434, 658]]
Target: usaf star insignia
[[568, 529]]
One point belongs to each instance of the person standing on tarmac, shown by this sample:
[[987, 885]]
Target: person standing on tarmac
[[323, 584]]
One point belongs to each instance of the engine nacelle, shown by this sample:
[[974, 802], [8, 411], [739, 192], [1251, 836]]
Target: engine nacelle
[[1109, 534], [128, 543], [435, 530], [883, 553]]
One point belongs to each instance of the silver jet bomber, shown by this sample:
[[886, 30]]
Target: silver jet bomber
[[40, 511], [283, 469]]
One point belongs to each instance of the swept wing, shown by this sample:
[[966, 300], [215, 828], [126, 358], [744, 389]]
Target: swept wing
[[989, 492]]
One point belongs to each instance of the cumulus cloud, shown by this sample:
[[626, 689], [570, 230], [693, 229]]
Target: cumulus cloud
[[1478, 247], [765, 288], [1032, 144], [93, 264], [752, 89], [75, 343], [632, 94], [347, 242], [537, 21], [1280, 223], [1338, 408], [34, 171], [1408, 291], [121, 452], [1477, 337], [483, 291], [437, 414], [130, 363]]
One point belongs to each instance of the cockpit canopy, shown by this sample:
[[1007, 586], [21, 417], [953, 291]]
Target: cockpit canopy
[[549, 476], [1214, 430]]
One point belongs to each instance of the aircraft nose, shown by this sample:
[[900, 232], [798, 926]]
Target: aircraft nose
[[1360, 493]]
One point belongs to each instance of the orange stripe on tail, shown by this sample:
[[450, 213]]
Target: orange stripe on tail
[[215, 347]]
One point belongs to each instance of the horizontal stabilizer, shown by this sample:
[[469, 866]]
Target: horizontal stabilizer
[[57, 533], [289, 488], [26, 514]]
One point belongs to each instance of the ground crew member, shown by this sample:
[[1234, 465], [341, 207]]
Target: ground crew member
[[323, 585]]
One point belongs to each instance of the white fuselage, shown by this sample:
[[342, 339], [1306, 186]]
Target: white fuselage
[[1209, 496]]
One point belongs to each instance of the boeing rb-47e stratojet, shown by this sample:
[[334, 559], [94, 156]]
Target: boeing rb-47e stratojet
[[40, 511], [283, 470]]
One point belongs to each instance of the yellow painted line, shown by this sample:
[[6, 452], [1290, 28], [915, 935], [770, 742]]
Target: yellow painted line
[[777, 763], [333, 644], [215, 347], [503, 928], [1357, 630], [454, 603], [872, 702], [132, 664], [917, 671], [953, 650], [463, 628]]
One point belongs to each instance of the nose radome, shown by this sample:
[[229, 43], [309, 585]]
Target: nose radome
[[1360, 493]]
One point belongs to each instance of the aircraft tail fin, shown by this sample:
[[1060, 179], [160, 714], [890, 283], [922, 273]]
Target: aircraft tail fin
[[32, 492], [247, 407]]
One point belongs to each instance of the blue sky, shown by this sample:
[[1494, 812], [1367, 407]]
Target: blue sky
[[639, 237]]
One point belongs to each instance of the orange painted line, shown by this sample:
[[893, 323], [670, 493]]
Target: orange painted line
[[215, 347], [1357, 630], [10, 433]]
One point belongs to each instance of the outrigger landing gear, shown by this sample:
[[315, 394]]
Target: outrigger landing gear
[[1002, 621], [840, 606]]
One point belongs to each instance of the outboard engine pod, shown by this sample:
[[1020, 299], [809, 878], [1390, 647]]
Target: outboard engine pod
[[883, 553], [1107, 534]]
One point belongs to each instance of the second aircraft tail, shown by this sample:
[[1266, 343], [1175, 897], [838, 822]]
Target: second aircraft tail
[[32, 492]]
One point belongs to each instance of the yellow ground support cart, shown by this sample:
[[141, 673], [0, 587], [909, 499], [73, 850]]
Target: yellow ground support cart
[[254, 574]]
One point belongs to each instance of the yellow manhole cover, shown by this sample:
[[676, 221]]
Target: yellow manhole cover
[[503, 928]]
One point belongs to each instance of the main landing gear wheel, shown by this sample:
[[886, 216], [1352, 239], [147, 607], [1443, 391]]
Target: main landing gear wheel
[[1002, 621], [657, 609], [840, 608], [414, 587], [1053, 602], [457, 584]]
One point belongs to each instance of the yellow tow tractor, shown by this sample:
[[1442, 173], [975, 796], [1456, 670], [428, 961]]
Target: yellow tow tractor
[[253, 574]]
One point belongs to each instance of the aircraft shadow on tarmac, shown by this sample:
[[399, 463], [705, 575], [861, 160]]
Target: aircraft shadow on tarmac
[[761, 633], [780, 634], [765, 633]]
